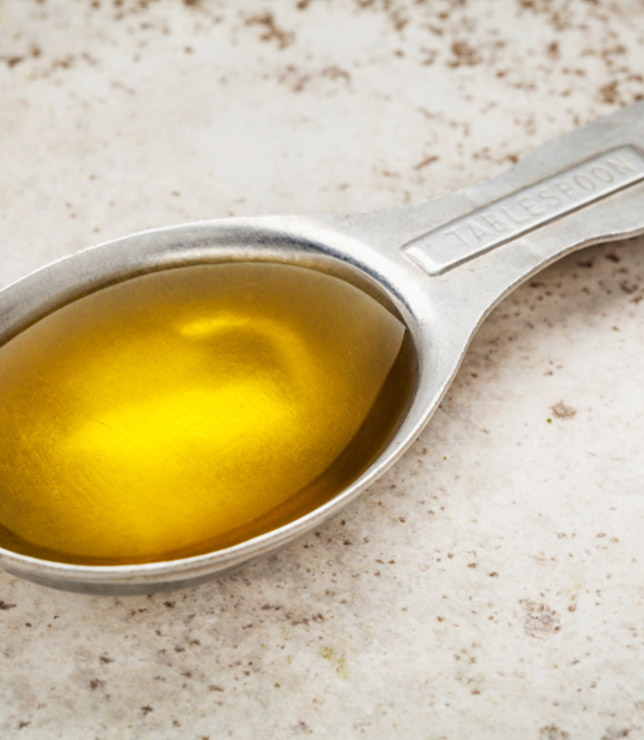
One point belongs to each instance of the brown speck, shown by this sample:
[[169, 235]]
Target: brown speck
[[169, 604], [64, 63], [627, 287], [539, 620], [608, 93], [4, 605], [472, 565], [22, 724], [563, 411], [493, 574], [272, 32], [96, 683], [214, 687], [336, 73], [398, 20], [12, 61], [552, 732], [425, 161], [464, 54], [106, 658], [147, 709]]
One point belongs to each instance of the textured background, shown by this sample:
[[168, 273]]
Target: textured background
[[490, 586]]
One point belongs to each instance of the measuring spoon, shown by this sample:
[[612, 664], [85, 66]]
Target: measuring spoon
[[439, 266]]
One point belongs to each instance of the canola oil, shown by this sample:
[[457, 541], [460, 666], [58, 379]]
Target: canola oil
[[187, 410]]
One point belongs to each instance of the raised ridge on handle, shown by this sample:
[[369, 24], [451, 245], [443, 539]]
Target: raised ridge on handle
[[526, 209]]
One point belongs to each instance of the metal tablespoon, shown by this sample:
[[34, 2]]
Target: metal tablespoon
[[439, 266]]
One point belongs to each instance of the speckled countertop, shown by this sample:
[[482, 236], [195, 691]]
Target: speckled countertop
[[491, 585]]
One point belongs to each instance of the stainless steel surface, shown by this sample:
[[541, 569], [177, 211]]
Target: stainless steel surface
[[390, 254], [526, 209]]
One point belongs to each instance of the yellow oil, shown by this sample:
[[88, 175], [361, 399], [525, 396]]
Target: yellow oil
[[190, 409]]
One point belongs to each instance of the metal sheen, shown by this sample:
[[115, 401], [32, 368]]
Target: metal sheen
[[527, 209]]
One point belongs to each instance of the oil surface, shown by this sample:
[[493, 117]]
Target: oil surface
[[187, 410]]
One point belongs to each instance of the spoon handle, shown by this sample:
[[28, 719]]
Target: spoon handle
[[580, 189]]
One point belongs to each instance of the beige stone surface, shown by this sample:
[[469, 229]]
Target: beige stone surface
[[490, 586]]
